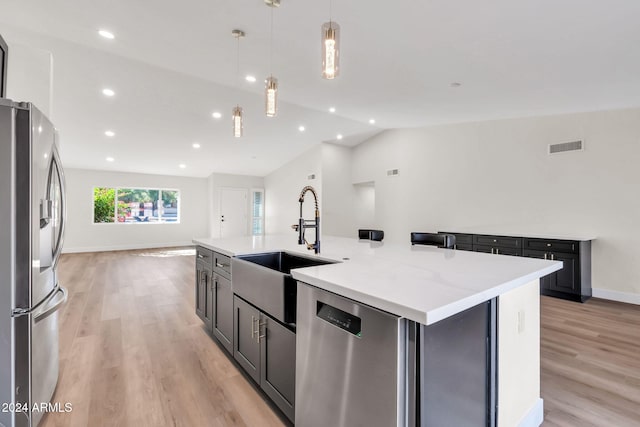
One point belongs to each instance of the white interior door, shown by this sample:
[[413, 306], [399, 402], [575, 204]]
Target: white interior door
[[233, 212]]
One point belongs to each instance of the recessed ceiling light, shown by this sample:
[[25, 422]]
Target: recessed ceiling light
[[372, 121], [301, 128], [195, 145], [107, 34], [216, 115], [456, 84], [110, 159], [109, 133], [108, 92], [250, 79], [339, 136], [182, 165], [332, 109]]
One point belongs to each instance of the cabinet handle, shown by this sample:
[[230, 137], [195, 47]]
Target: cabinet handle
[[202, 256], [492, 250], [551, 256], [253, 323], [265, 330], [219, 265], [497, 251], [545, 255], [495, 241], [548, 245]]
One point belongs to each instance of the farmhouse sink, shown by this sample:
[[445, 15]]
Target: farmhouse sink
[[265, 281]]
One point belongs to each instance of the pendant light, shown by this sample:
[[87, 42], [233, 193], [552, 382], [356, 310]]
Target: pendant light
[[271, 83], [236, 113], [330, 48]]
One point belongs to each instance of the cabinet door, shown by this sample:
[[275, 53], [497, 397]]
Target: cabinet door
[[565, 280], [278, 364], [208, 301], [545, 282], [201, 290], [246, 347], [223, 311]]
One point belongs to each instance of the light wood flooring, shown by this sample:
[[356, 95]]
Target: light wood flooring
[[590, 363], [133, 353]]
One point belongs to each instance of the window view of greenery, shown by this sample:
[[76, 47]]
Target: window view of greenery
[[133, 205]]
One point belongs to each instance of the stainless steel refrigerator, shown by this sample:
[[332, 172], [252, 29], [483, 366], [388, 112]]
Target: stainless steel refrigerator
[[32, 220]]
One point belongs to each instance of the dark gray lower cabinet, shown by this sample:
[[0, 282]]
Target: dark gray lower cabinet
[[278, 364], [568, 280], [246, 347], [267, 352], [203, 293], [222, 316], [573, 282]]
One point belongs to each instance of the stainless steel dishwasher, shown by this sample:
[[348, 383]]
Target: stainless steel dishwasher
[[350, 367]]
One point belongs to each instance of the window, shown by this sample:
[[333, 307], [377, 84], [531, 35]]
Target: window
[[135, 205], [257, 212]]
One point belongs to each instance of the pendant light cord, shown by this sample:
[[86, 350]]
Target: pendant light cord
[[238, 62], [271, 45]]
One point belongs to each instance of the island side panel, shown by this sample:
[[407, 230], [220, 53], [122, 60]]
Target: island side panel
[[519, 402]]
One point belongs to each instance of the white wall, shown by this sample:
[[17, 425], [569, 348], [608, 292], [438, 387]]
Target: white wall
[[216, 182], [338, 195], [364, 205], [30, 76], [82, 235], [282, 188], [498, 174]]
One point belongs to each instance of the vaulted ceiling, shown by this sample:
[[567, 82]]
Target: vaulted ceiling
[[174, 63]]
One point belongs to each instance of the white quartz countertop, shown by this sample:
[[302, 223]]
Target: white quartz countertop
[[421, 283]]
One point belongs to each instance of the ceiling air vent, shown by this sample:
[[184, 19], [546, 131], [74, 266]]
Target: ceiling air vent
[[392, 172], [312, 176], [566, 146]]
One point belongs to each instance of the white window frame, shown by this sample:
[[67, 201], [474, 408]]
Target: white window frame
[[117, 188], [261, 218]]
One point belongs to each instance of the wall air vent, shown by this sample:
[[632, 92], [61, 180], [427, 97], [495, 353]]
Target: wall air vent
[[392, 172], [312, 176], [566, 146]]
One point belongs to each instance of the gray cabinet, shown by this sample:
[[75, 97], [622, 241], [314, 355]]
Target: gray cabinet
[[246, 347], [214, 294], [222, 316], [278, 364], [573, 282], [266, 350], [203, 293]]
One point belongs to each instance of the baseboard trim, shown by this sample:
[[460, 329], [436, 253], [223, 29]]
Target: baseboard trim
[[616, 296], [66, 250], [534, 417]]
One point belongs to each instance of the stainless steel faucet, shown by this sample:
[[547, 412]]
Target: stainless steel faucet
[[303, 224]]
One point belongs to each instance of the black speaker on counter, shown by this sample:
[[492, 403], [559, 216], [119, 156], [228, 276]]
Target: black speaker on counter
[[4, 53]]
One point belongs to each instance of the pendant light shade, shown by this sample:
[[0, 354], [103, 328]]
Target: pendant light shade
[[271, 96], [271, 83], [330, 50], [236, 116], [236, 113]]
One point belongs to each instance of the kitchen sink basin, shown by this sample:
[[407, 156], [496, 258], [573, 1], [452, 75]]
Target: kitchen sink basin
[[282, 261], [265, 281]]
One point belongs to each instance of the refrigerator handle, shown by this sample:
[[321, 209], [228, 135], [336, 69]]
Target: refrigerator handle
[[63, 205], [51, 304]]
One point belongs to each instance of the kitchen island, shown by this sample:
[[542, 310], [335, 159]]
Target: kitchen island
[[427, 286]]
